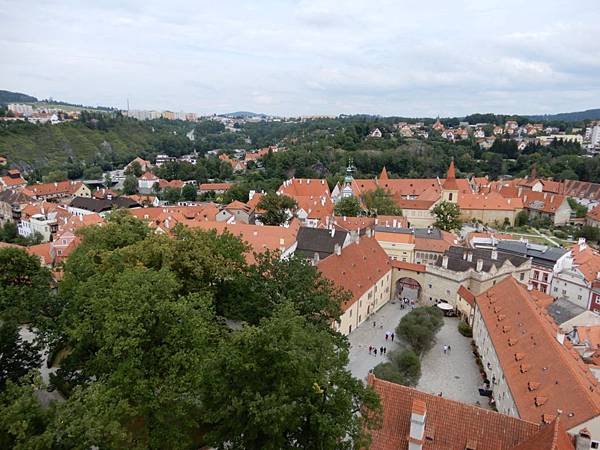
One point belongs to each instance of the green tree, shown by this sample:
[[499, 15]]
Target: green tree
[[447, 216], [275, 209], [348, 206], [380, 202], [237, 192], [134, 169], [189, 193], [313, 402], [130, 185], [171, 195], [24, 287], [17, 357], [419, 327], [521, 219]]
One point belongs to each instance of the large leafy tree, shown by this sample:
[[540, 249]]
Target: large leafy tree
[[24, 287], [348, 206], [284, 384], [17, 357], [447, 216], [272, 281], [130, 185], [380, 202], [275, 209]]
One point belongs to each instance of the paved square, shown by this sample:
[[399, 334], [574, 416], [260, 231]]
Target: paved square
[[386, 319], [455, 374]]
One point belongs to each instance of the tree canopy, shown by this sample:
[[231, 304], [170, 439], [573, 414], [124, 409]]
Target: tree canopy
[[447, 216], [275, 209], [348, 206]]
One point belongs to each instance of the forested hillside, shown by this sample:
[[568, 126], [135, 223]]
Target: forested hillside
[[15, 97]]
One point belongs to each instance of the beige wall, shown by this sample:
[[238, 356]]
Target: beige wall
[[396, 250], [488, 216], [491, 365], [442, 284], [373, 299], [419, 218]]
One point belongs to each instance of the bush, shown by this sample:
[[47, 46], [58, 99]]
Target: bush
[[465, 329], [560, 234], [389, 372], [404, 368], [419, 327]]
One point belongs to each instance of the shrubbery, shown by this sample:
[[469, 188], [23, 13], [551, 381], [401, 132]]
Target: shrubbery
[[465, 329], [418, 328], [404, 368]]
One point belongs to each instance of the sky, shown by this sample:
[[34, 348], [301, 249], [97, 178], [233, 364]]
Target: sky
[[412, 58]]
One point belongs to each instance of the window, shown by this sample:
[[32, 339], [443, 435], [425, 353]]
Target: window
[[564, 292], [579, 297], [536, 275], [555, 289], [450, 196], [350, 313], [595, 444], [522, 277]]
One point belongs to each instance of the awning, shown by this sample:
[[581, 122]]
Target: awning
[[445, 306]]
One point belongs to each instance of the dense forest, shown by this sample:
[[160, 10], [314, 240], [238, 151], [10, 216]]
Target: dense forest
[[314, 148]]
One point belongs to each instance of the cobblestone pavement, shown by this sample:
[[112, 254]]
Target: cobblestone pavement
[[386, 319], [455, 374]]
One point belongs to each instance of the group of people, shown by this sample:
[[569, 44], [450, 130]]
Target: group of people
[[373, 350], [447, 349], [404, 303]]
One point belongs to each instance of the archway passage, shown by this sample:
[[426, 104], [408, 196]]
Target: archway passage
[[408, 288]]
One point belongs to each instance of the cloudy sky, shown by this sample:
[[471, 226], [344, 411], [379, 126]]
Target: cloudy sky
[[296, 57]]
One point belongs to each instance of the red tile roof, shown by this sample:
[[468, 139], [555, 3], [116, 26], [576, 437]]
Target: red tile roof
[[565, 383], [587, 261], [408, 266], [66, 187], [302, 187], [449, 425], [543, 201], [467, 295], [215, 186], [359, 266]]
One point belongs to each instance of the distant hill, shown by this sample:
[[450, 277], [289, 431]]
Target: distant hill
[[589, 114], [15, 97], [243, 114]]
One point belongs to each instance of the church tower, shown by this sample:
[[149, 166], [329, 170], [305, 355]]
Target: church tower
[[450, 186]]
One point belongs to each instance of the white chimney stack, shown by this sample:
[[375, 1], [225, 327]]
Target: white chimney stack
[[479, 264], [417, 425], [445, 261], [337, 249], [494, 255]]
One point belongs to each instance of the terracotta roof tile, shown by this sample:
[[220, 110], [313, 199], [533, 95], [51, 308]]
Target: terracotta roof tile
[[563, 379]]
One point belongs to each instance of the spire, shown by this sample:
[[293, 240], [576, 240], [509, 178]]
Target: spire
[[451, 171], [383, 175]]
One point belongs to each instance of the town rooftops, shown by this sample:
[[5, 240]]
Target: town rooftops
[[357, 267], [451, 425], [101, 205], [304, 187], [319, 240], [541, 254], [543, 376], [461, 259], [57, 188]]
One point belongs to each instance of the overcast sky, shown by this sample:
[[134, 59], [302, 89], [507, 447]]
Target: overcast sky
[[397, 57]]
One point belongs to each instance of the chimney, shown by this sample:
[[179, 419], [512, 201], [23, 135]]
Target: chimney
[[581, 243], [370, 234], [560, 337], [337, 249], [394, 223], [583, 440], [470, 256], [332, 231], [494, 255], [445, 261], [479, 264], [315, 260], [417, 425]]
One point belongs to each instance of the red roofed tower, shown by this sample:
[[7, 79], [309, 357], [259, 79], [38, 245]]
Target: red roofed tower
[[450, 186], [383, 175]]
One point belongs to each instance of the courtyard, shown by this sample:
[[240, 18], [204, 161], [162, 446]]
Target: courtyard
[[454, 374]]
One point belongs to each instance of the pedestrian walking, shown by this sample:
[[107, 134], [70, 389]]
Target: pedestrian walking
[[386, 336], [370, 349], [392, 336], [375, 351], [445, 349], [449, 349], [385, 350], [374, 324], [381, 350]]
